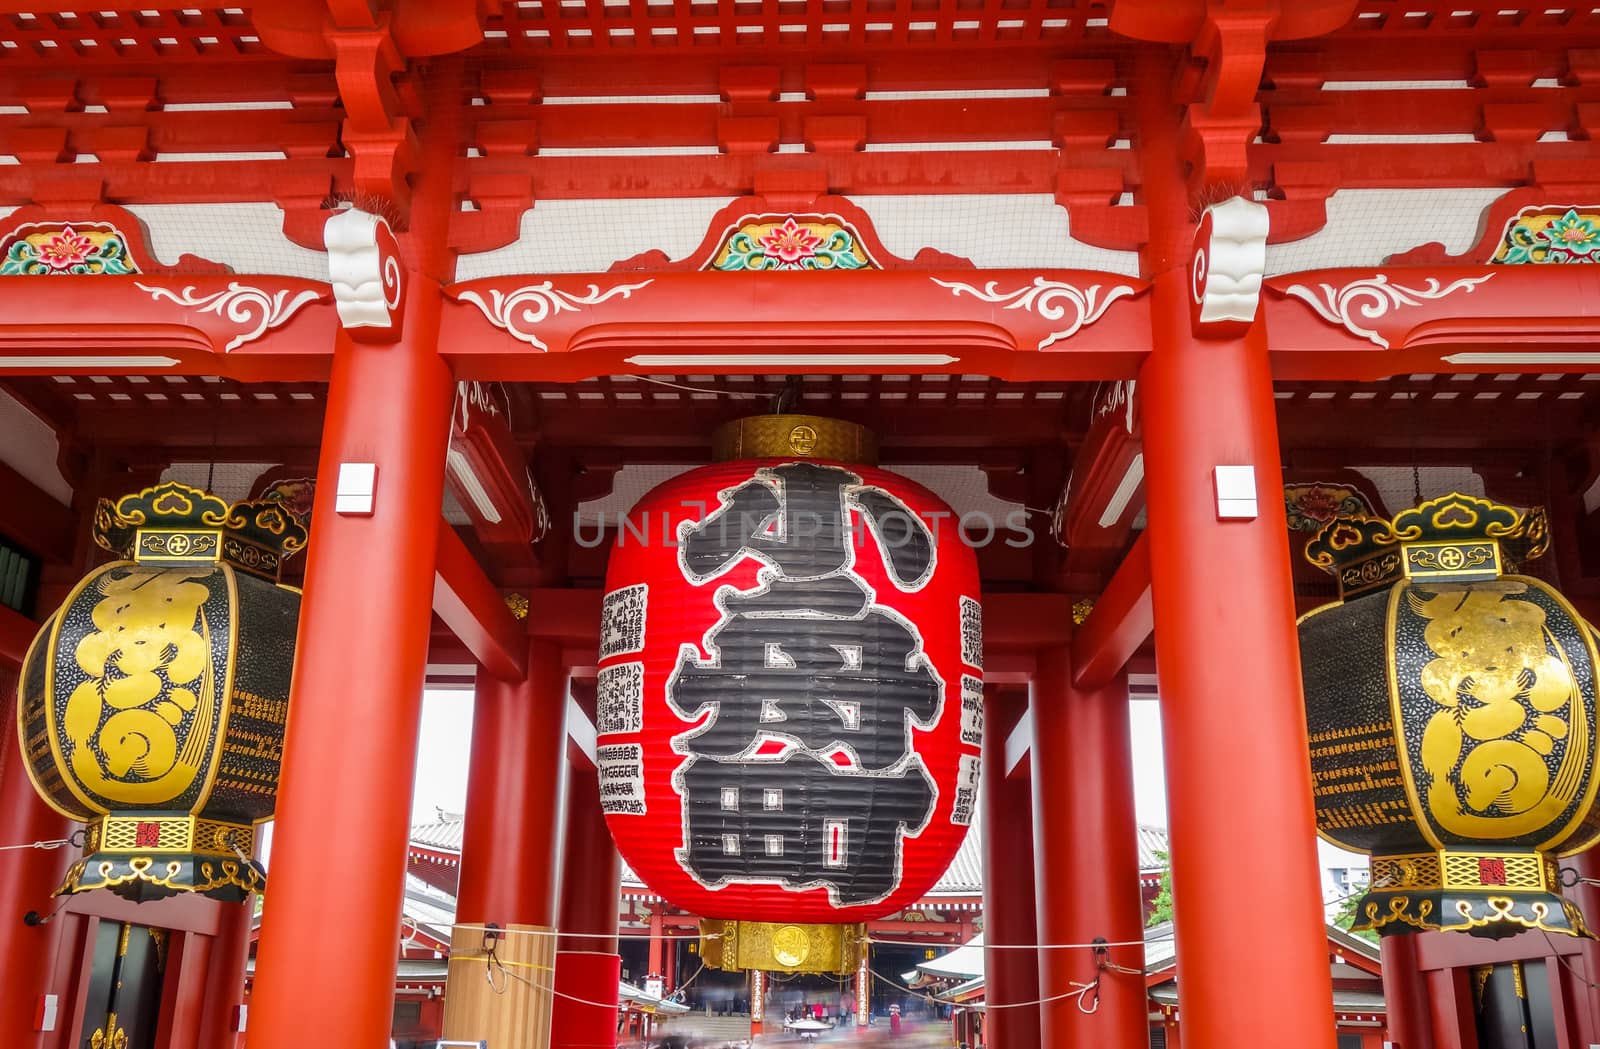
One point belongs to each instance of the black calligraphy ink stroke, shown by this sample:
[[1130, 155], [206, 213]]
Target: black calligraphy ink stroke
[[827, 496], [879, 851], [916, 661]]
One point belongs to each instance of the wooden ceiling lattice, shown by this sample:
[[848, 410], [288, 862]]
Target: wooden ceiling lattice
[[121, 32], [669, 25], [134, 35]]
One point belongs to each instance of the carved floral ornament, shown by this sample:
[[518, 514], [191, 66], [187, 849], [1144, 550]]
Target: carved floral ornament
[[808, 242], [1550, 234], [66, 249]]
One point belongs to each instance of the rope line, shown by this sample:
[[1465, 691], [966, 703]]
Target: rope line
[[700, 389], [1080, 991], [54, 843], [497, 930]]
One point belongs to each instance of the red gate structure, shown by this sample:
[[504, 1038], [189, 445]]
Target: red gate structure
[[1146, 290]]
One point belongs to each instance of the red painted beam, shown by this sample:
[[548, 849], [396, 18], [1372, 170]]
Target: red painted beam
[[1121, 621], [471, 606], [1025, 621], [16, 634], [569, 616]]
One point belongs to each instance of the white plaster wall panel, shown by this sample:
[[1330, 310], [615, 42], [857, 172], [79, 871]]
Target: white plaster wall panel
[[228, 481], [1366, 226], [247, 237], [587, 236], [994, 230], [28, 445], [964, 488], [1397, 487]]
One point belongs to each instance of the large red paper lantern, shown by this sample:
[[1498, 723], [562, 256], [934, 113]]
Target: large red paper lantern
[[790, 690]]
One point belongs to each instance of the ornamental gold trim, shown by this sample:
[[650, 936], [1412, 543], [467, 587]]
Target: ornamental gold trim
[[208, 876], [173, 834], [1489, 915], [795, 436], [1479, 871], [1461, 561], [734, 945]]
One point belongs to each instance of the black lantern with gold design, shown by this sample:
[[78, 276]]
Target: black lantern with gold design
[[1451, 711], [151, 704]]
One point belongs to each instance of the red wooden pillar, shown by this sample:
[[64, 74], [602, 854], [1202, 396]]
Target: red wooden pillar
[[1587, 896], [1011, 974], [1450, 1005], [27, 877], [654, 966], [588, 967], [1238, 779], [509, 850], [511, 833], [1086, 864], [1405, 994], [230, 952], [329, 934]]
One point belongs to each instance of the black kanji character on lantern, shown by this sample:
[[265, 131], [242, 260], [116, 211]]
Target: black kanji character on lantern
[[796, 517], [799, 823], [840, 683], [801, 770]]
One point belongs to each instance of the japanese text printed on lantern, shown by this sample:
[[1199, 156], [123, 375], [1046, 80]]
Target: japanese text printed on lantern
[[804, 640]]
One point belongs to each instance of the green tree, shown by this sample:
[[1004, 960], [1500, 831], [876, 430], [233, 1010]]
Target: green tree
[[1346, 917], [1161, 906]]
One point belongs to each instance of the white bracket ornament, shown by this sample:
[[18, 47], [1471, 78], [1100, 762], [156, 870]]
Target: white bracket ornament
[[521, 310], [1227, 266], [364, 269], [1371, 298], [1050, 299]]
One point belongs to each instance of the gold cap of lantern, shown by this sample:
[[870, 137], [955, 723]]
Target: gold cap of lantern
[[785, 436], [151, 704], [1451, 708]]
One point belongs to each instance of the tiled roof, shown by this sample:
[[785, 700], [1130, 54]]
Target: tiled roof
[[443, 834], [966, 963], [964, 877], [1344, 1001], [1152, 847]]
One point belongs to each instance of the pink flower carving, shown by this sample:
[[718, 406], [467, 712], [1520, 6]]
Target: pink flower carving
[[789, 243], [65, 249]]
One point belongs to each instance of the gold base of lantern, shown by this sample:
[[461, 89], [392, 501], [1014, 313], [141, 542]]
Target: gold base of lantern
[[1491, 894], [795, 437], [781, 946], [148, 855]]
